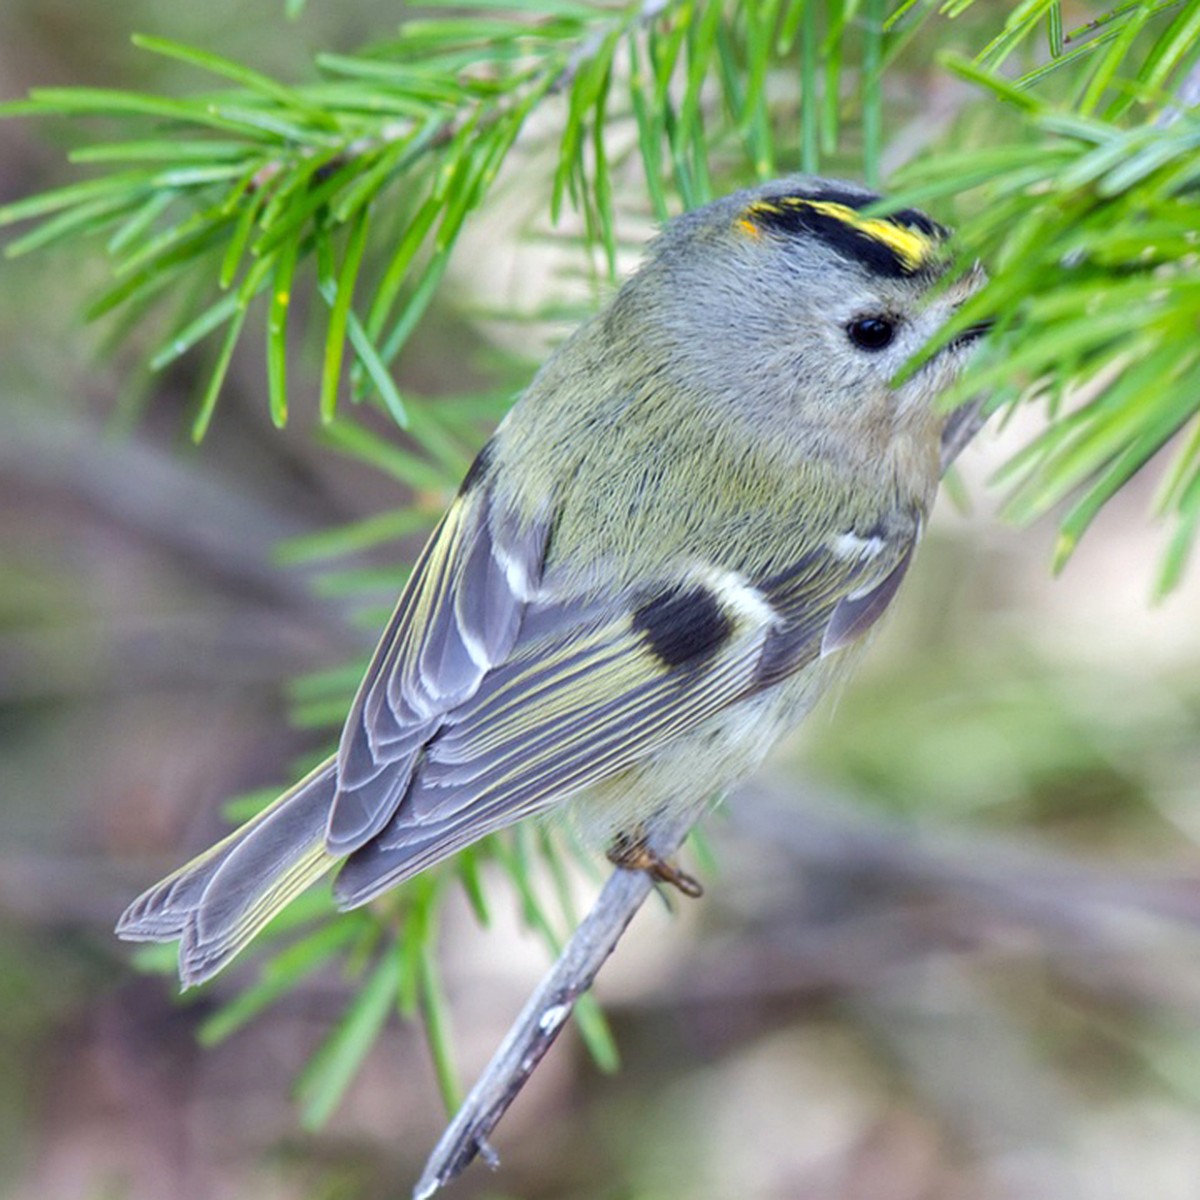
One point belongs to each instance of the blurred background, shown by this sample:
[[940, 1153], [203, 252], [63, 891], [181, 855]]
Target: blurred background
[[948, 948]]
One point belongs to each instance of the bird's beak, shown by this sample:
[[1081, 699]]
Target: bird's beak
[[972, 333]]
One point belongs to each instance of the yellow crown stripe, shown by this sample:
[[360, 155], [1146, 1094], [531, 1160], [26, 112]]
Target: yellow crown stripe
[[764, 206], [912, 247]]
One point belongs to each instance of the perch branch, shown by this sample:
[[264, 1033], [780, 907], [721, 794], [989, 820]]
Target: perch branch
[[544, 1015]]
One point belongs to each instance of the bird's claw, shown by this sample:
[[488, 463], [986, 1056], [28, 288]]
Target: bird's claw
[[637, 856]]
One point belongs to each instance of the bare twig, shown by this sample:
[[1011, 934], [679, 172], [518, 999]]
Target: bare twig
[[534, 1032], [546, 1011], [544, 1015]]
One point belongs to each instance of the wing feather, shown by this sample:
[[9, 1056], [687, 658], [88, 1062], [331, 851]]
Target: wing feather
[[598, 743], [555, 718], [456, 621]]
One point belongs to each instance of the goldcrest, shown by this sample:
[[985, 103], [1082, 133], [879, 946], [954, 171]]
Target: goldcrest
[[676, 540]]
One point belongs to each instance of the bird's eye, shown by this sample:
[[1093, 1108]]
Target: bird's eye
[[872, 333]]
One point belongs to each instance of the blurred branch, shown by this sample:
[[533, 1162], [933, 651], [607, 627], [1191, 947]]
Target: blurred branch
[[1008, 1105], [227, 538], [961, 426], [154, 495], [1051, 891], [52, 891], [131, 653], [1077, 906]]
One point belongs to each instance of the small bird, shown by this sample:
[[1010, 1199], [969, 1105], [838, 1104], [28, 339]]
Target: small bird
[[673, 544]]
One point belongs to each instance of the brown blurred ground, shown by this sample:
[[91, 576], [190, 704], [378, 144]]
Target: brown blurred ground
[[950, 952]]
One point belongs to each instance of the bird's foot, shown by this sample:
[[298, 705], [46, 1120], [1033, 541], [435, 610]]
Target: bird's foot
[[637, 856]]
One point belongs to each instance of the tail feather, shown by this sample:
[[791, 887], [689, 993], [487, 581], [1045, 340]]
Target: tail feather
[[220, 900], [377, 868]]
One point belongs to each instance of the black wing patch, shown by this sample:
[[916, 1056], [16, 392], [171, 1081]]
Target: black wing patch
[[559, 716], [683, 625]]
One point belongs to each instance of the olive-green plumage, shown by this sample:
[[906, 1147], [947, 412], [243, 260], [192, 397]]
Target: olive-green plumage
[[671, 546]]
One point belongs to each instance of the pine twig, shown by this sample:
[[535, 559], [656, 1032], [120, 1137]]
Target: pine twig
[[546, 1011], [649, 12]]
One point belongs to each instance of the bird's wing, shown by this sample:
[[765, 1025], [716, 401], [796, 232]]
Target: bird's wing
[[457, 620], [589, 688]]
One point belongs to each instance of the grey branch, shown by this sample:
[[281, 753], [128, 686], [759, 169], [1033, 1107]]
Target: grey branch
[[650, 11], [544, 1015], [546, 1011]]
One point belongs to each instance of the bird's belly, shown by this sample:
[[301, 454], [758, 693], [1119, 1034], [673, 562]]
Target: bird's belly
[[692, 772]]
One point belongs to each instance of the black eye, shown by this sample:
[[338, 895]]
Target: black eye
[[872, 333]]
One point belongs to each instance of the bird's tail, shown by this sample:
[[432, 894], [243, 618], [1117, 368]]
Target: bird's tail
[[216, 903]]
